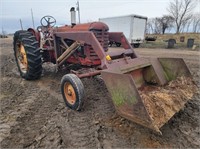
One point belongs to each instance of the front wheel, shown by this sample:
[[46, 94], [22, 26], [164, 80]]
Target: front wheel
[[72, 90]]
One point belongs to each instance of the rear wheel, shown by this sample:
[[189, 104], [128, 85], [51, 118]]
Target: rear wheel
[[72, 91], [110, 44], [27, 55], [118, 44], [136, 45]]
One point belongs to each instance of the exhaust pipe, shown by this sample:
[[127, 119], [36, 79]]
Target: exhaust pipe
[[73, 16]]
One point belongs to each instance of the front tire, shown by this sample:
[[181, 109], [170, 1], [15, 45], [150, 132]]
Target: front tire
[[27, 55], [72, 90]]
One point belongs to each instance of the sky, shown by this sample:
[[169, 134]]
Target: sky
[[11, 11]]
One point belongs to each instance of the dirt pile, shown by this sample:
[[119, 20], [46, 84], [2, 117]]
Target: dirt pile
[[163, 102]]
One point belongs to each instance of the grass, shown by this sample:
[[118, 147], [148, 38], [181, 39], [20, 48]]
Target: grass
[[160, 42]]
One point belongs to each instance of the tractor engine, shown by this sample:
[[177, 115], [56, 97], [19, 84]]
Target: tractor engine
[[85, 54]]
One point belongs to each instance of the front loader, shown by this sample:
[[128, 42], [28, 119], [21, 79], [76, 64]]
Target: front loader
[[148, 91]]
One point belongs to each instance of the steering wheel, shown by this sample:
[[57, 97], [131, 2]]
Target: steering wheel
[[48, 21]]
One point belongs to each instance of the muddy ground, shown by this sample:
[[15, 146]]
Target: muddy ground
[[33, 114]]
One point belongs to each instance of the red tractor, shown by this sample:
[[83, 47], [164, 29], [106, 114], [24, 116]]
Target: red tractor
[[86, 46]]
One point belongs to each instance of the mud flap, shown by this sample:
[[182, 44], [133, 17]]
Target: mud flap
[[126, 83]]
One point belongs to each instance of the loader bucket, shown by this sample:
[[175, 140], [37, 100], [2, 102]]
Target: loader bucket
[[149, 91]]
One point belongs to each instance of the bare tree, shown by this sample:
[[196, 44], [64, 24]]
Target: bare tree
[[150, 26], [196, 23], [181, 11], [187, 26], [157, 26], [193, 25], [165, 22], [160, 24], [153, 26]]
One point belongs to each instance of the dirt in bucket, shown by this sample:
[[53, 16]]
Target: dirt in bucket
[[163, 102]]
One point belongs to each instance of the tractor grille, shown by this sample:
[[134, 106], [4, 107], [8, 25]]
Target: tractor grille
[[102, 37]]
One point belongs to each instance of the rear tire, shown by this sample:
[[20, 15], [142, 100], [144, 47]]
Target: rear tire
[[118, 44], [72, 90], [136, 45], [27, 55]]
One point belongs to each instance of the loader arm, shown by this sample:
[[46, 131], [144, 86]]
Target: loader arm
[[88, 37]]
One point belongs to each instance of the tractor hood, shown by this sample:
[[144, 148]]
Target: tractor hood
[[83, 27]]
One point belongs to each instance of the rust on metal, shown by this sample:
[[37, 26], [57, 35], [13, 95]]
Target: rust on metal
[[69, 93], [88, 74], [69, 51], [118, 37], [174, 67], [148, 91], [83, 27], [86, 37], [136, 89]]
